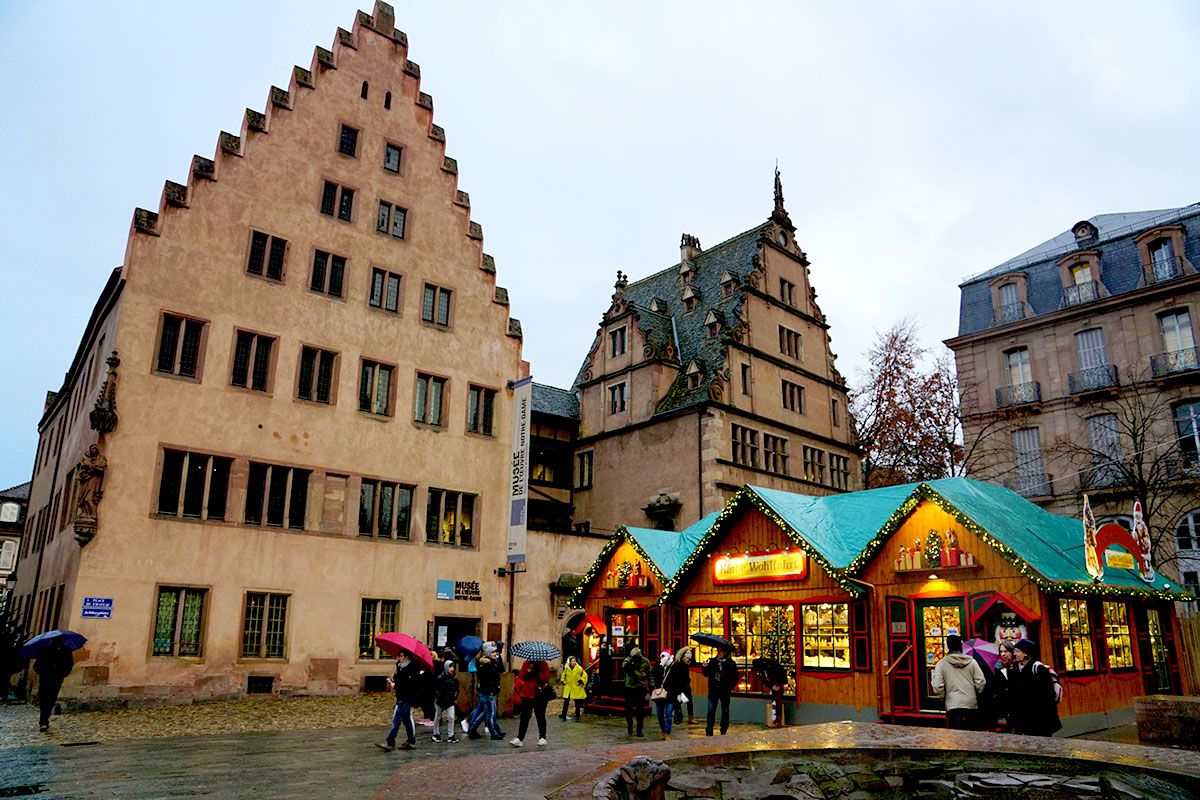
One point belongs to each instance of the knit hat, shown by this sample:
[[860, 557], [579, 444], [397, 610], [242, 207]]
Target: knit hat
[[489, 648], [1028, 648]]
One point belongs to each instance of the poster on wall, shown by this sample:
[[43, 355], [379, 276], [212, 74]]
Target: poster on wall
[[519, 476]]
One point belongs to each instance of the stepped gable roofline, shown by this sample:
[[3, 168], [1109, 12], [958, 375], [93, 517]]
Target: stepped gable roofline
[[844, 532], [18, 492], [555, 402]]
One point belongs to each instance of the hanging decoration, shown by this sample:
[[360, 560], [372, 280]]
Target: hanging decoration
[[1141, 532], [1091, 557]]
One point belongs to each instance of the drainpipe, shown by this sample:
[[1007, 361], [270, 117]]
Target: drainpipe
[[874, 594], [700, 463]]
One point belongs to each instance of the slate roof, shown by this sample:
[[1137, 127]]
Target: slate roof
[[1120, 263], [554, 402], [18, 492], [735, 256]]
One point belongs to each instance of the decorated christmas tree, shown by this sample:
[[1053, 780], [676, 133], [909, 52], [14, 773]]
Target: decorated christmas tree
[[933, 550]]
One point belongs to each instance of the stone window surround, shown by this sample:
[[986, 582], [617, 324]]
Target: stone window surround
[[202, 635], [272, 362], [1144, 240], [392, 390], [1017, 277], [333, 379], [1088, 258], [158, 332]]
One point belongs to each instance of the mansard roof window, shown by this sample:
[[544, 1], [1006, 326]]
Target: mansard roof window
[[728, 284], [693, 376], [690, 299], [713, 324]]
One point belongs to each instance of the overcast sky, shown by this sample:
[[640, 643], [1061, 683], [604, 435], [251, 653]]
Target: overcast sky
[[919, 143]]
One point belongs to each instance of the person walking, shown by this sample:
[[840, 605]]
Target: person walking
[[574, 682], [532, 686], [636, 669], [52, 665], [1033, 693], [958, 680], [686, 657], [487, 677], [722, 676], [670, 677], [406, 683], [445, 696]]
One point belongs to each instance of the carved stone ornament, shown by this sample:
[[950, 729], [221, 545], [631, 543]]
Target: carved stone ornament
[[103, 416], [89, 481], [640, 779], [663, 508]]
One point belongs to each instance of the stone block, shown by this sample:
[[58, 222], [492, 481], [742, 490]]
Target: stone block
[[95, 676], [1166, 719], [323, 669]]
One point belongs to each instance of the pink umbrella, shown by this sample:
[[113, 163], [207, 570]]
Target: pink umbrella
[[988, 651], [394, 643]]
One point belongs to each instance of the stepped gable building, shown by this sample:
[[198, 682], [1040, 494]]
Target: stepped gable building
[[1079, 373], [710, 374], [287, 424]]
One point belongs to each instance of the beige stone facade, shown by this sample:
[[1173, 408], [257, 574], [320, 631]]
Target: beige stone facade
[[711, 374], [313, 411], [1084, 347]]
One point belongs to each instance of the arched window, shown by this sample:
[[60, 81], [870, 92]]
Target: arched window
[[387, 99], [1187, 532], [363, 92]]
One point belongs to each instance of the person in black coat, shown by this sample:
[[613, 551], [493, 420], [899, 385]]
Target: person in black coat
[[1032, 693], [407, 684], [52, 665], [774, 677], [722, 674], [669, 678]]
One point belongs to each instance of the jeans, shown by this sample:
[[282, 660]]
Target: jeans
[[450, 712], [666, 713], [484, 714], [528, 708], [713, 701], [635, 706], [403, 713]]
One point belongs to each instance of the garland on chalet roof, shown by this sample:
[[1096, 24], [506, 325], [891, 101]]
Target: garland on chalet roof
[[621, 535]]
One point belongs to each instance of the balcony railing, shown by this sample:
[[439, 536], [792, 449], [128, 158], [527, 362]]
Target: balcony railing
[[1165, 269], [1080, 294], [1019, 394], [1010, 312], [1093, 378], [1184, 360]]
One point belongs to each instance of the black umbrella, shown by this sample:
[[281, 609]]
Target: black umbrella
[[712, 640]]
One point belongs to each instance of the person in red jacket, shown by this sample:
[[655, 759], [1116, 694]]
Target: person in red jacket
[[531, 686]]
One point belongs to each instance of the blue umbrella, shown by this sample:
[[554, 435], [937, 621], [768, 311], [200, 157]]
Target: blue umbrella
[[34, 647], [468, 646], [712, 640], [536, 651]]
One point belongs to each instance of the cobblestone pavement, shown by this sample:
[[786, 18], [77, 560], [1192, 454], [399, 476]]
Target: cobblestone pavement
[[261, 748]]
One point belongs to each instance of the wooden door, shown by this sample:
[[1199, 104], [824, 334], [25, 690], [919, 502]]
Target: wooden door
[[935, 620], [900, 654]]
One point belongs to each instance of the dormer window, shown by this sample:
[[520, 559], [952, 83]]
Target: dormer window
[[1162, 260], [690, 299], [713, 324], [728, 283], [686, 274], [693, 376], [1081, 274], [658, 306], [1163, 255]]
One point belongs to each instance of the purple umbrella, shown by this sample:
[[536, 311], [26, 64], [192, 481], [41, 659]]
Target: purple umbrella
[[988, 651]]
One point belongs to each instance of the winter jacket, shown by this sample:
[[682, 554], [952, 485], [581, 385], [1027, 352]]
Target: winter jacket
[[574, 682], [54, 665], [636, 670], [1032, 700], [531, 676], [407, 682], [487, 674], [722, 675], [674, 678], [958, 680], [773, 675], [445, 692]]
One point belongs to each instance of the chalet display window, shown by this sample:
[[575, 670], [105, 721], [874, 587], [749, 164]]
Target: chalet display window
[[616, 341], [391, 157], [179, 346], [745, 445], [583, 470], [384, 510], [337, 201], [276, 496], [435, 305], [328, 273], [179, 622], [768, 632], [775, 454], [616, 398], [315, 381], [193, 485], [348, 141], [376, 617], [267, 254], [789, 343], [264, 625], [391, 218], [814, 464], [825, 636], [787, 292], [793, 396], [1116, 635], [705, 620], [385, 290], [481, 404], [430, 399], [252, 361], [1076, 635], [375, 388], [450, 518]]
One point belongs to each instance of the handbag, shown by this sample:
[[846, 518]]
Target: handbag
[[658, 694], [546, 692]]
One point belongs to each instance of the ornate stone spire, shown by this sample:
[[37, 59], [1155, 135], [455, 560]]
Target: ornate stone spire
[[780, 214]]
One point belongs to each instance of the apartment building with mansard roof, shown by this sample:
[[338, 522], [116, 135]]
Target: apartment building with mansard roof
[[710, 374], [1079, 373], [287, 424]]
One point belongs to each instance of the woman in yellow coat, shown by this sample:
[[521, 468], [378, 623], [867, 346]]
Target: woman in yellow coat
[[574, 682]]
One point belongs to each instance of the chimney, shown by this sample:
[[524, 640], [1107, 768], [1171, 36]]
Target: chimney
[[1084, 232], [689, 247]]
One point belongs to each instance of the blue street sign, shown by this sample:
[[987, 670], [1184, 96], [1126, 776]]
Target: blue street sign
[[97, 608]]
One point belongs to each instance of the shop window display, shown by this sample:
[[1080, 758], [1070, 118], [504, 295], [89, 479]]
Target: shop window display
[[705, 620], [763, 632], [825, 635], [1116, 634], [1076, 634]]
